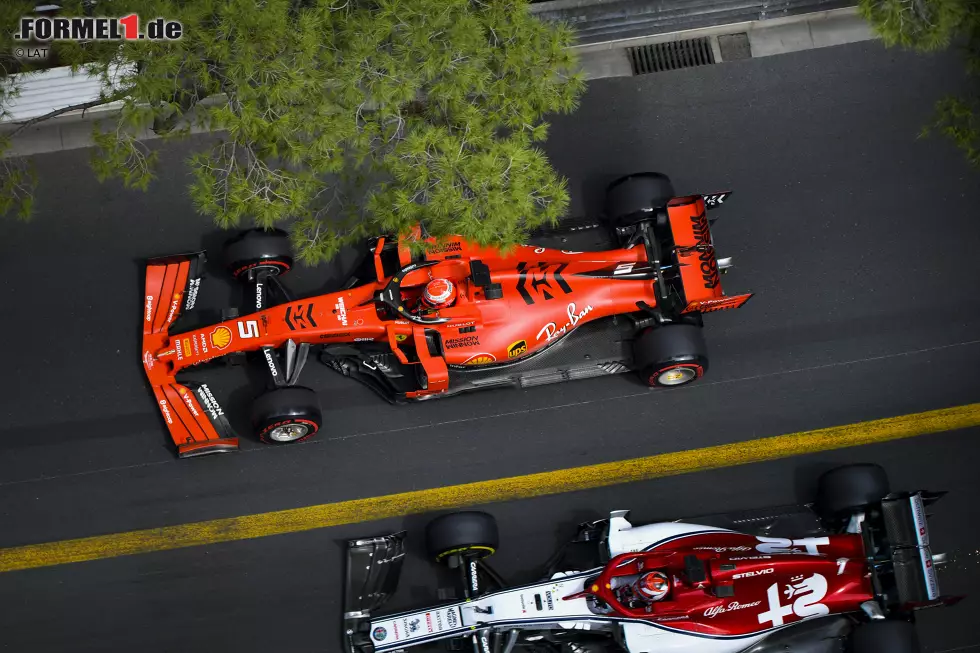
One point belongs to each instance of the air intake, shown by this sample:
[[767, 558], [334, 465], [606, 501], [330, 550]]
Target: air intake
[[672, 55]]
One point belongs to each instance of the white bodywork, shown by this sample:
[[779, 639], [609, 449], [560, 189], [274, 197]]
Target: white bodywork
[[518, 607], [626, 538]]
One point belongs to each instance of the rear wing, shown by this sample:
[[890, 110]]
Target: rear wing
[[907, 532], [193, 416], [373, 568], [695, 256]]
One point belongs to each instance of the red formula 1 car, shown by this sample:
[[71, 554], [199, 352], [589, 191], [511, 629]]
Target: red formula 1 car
[[847, 574], [458, 317]]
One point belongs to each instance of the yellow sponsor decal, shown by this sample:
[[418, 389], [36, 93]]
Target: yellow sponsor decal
[[401, 337], [480, 359], [516, 349], [221, 337]]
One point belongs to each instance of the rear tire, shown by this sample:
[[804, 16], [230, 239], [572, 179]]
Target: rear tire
[[471, 532], [885, 637], [846, 490], [287, 415], [637, 194], [257, 249], [670, 356]]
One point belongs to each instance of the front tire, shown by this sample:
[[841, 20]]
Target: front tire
[[287, 415], [258, 249], [670, 356], [849, 489], [472, 532]]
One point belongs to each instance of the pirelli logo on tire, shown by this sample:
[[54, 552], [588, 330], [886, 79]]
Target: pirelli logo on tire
[[516, 349]]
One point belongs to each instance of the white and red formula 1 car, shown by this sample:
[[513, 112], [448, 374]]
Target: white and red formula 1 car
[[847, 573]]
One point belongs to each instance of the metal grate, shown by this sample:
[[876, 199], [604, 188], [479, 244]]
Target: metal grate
[[672, 55]]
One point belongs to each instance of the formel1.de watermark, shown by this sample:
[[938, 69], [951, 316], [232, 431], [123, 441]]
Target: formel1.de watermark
[[125, 28]]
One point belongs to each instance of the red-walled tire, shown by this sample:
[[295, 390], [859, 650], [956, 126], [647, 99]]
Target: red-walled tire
[[287, 415], [670, 356], [258, 249]]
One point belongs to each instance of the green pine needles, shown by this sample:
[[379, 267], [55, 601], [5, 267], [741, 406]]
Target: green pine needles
[[344, 118], [928, 25]]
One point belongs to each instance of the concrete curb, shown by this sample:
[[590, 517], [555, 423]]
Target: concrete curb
[[598, 60], [598, 21], [763, 37], [72, 131]]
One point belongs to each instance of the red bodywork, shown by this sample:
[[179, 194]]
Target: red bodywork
[[743, 590], [546, 294]]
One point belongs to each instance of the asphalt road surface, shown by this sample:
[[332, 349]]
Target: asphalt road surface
[[859, 238]]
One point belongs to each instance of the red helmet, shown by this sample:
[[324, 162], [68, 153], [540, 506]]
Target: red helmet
[[439, 293], [653, 585]]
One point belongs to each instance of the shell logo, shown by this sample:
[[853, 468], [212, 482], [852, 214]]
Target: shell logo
[[182, 391], [480, 359], [221, 337]]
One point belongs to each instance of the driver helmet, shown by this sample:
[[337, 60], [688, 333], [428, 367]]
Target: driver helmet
[[439, 293], [652, 586]]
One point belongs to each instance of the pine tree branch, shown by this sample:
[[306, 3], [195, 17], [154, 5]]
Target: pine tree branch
[[83, 106]]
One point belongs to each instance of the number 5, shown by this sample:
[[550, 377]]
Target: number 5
[[248, 329]]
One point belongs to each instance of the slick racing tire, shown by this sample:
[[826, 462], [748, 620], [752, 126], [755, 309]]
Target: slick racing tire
[[671, 355], [258, 249], [287, 415], [885, 636], [637, 194], [845, 490], [471, 532]]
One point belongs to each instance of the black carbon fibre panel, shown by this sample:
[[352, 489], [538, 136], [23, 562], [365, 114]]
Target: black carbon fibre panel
[[910, 578], [594, 349], [792, 521], [576, 234], [899, 523]]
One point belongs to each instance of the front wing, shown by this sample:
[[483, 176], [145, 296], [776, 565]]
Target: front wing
[[193, 416]]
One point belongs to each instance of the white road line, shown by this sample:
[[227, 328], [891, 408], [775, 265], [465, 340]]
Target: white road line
[[526, 411]]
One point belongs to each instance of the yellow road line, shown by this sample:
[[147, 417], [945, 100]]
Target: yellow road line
[[503, 489]]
